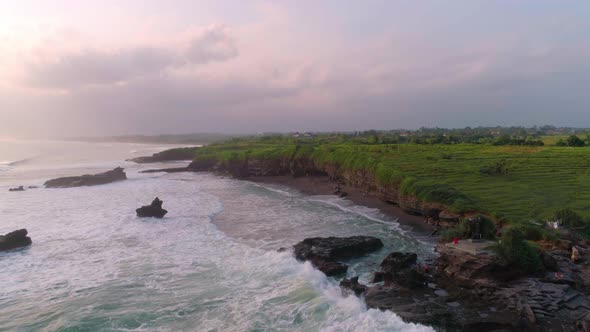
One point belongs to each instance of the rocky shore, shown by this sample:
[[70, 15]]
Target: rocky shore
[[462, 291], [326, 254], [459, 290]]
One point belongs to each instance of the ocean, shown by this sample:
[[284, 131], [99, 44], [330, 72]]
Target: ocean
[[211, 264]]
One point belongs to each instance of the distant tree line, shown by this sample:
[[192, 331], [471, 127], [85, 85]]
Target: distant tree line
[[515, 136]]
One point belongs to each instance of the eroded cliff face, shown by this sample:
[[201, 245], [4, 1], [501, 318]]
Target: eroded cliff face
[[361, 179]]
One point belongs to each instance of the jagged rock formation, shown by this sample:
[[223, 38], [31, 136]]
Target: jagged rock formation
[[14, 240], [114, 175], [153, 210], [401, 269], [353, 286], [466, 292], [19, 188], [325, 253]]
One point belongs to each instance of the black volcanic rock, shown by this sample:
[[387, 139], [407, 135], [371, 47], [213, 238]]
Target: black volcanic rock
[[153, 210], [15, 239], [335, 248], [353, 285], [116, 174], [397, 261], [330, 268], [19, 188], [401, 268], [324, 253]]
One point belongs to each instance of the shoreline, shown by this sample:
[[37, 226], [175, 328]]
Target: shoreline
[[321, 185]]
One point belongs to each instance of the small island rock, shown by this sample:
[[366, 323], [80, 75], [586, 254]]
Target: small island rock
[[116, 174], [15, 239], [153, 210], [19, 188]]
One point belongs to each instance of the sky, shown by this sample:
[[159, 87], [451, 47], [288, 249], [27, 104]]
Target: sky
[[89, 68]]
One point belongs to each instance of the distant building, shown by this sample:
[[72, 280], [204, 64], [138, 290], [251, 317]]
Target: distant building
[[303, 135]]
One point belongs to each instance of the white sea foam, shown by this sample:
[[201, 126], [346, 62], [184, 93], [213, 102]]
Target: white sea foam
[[94, 265]]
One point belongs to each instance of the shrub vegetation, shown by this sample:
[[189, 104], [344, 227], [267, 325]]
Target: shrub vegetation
[[515, 251]]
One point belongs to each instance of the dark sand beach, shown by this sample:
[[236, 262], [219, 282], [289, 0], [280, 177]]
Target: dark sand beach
[[321, 185]]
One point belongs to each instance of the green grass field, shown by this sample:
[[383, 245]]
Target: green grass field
[[539, 180], [552, 140]]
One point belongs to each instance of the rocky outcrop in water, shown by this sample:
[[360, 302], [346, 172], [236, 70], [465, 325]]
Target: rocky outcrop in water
[[153, 210], [19, 188], [114, 175], [14, 240], [325, 253]]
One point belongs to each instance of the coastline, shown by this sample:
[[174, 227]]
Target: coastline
[[321, 185]]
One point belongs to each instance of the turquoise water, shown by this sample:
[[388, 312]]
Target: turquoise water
[[210, 265]]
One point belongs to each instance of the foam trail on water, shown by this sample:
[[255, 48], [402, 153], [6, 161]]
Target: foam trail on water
[[369, 213], [278, 191]]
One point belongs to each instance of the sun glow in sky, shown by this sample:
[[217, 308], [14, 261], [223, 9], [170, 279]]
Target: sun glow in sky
[[125, 67]]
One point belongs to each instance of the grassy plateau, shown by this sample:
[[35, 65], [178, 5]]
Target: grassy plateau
[[515, 183]]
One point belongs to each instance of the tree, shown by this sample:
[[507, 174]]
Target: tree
[[574, 140], [516, 252], [503, 140]]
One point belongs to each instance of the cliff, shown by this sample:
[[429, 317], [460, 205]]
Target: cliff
[[364, 180]]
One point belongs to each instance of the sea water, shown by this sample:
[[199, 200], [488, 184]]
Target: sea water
[[211, 264]]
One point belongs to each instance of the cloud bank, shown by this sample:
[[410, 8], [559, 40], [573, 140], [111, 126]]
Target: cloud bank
[[299, 66]]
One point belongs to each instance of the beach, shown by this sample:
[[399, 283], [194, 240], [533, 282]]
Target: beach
[[321, 185]]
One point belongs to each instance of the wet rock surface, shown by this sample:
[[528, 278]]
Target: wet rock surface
[[466, 292], [153, 210], [353, 286], [14, 240], [19, 188], [325, 253], [117, 174]]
